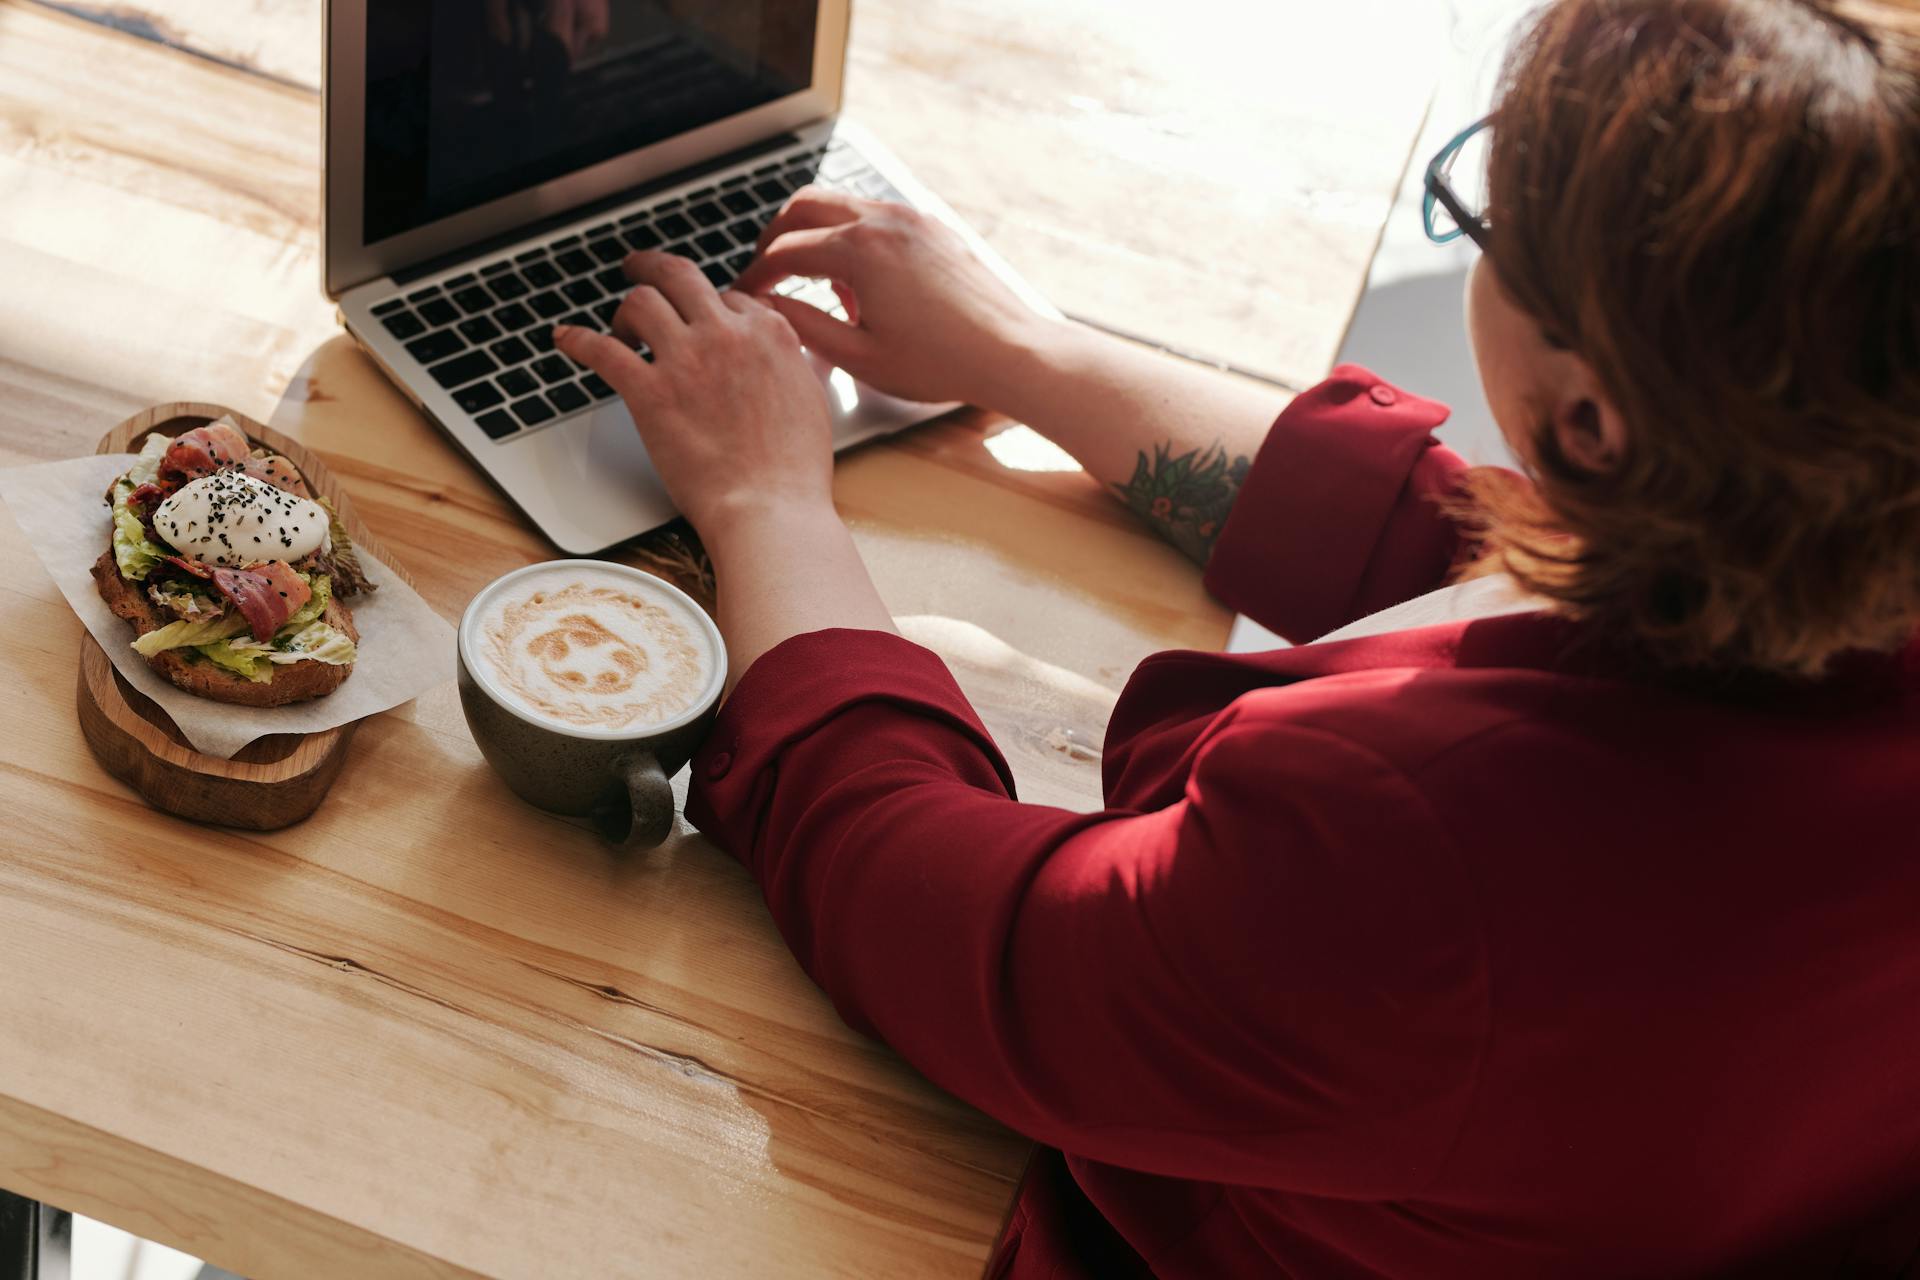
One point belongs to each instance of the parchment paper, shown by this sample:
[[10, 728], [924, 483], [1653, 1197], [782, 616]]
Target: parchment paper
[[405, 647]]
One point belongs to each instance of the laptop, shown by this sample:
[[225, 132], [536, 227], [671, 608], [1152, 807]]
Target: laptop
[[489, 163]]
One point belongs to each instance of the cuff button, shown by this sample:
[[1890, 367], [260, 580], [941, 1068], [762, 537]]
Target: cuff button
[[718, 765], [1383, 394]]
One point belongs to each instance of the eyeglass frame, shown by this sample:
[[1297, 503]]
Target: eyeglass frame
[[1440, 188]]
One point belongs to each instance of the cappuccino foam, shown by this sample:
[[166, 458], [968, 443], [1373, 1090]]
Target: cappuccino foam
[[598, 651]]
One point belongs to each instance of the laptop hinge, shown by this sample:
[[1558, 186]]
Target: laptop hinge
[[527, 231]]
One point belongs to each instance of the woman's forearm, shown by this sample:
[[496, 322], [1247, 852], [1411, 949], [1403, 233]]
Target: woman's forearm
[[1170, 439], [784, 569]]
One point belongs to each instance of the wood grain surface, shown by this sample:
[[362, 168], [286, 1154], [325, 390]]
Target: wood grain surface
[[430, 1030]]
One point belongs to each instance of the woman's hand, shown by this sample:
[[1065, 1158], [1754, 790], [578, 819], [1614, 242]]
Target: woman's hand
[[731, 413], [736, 423], [928, 320]]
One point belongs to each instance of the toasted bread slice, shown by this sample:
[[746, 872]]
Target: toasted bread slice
[[293, 682]]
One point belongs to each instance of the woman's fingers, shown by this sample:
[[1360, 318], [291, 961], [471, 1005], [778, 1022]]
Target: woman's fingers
[[679, 281], [809, 207], [647, 317], [810, 251], [833, 340], [606, 355]]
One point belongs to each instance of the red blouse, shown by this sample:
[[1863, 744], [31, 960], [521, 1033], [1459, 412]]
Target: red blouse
[[1475, 950]]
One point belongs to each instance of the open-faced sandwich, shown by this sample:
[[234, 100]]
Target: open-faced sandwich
[[230, 571]]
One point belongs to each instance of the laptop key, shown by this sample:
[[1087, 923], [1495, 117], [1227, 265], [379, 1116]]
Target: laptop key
[[667, 205], [438, 311], [635, 218], [607, 250], [604, 229], [547, 305], [684, 248], [564, 242], [567, 397], [770, 192], [738, 262], [739, 202], [613, 280], [541, 275], [461, 281], [532, 410], [553, 369], [517, 383], [419, 296], [597, 387], [477, 397], [510, 351], [390, 306], [531, 255], [495, 268], [737, 180], [574, 262], [746, 231], [643, 238], [498, 425], [584, 320], [474, 300], [700, 194], [507, 288], [540, 337], [461, 370], [436, 346], [718, 273], [580, 292], [707, 214], [479, 329], [513, 317], [404, 325], [674, 225], [713, 242], [604, 312]]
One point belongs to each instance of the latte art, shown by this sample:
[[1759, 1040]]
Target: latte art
[[605, 655]]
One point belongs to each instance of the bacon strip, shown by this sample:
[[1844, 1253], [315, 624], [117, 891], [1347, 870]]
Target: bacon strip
[[193, 567], [266, 595], [146, 495], [203, 451], [279, 473]]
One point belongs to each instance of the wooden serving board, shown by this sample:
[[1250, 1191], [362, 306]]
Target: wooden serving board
[[274, 781]]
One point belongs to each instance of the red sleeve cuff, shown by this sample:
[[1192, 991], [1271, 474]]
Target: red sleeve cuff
[[1338, 517], [794, 688]]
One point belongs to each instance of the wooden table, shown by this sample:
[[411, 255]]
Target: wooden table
[[431, 1031]]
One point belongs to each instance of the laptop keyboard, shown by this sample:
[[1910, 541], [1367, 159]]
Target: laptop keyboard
[[485, 334]]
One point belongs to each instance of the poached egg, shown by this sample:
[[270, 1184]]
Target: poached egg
[[230, 519]]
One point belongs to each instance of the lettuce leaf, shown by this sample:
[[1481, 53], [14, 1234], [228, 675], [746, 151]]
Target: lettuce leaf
[[346, 561], [187, 599], [133, 551], [247, 662], [177, 635], [146, 467], [322, 588], [317, 642]]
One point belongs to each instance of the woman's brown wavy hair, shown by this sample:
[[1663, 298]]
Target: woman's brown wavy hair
[[1716, 203]]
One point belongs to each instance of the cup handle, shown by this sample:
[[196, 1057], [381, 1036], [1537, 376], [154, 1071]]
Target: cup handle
[[646, 817]]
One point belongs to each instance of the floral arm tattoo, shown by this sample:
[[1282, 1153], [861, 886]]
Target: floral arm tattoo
[[1185, 498]]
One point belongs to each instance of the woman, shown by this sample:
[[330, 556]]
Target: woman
[[1562, 923]]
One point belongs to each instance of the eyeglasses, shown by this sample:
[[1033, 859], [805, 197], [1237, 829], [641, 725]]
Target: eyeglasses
[[1461, 203]]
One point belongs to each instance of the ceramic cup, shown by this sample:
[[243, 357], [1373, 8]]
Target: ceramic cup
[[618, 778]]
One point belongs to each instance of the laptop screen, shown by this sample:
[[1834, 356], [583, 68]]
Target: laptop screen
[[471, 100]]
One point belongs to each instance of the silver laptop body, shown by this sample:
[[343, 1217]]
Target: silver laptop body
[[486, 171]]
